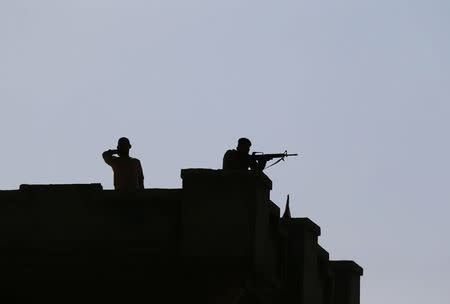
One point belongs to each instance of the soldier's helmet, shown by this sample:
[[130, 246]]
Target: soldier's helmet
[[123, 143]]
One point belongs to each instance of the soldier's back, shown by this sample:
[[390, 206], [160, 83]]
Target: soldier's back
[[235, 160]]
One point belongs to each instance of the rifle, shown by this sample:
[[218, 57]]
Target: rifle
[[266, 157]]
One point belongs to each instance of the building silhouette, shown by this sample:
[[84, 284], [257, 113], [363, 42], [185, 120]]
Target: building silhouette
[[219, 239]]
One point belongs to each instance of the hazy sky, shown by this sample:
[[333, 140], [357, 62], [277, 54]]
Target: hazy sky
[[360, 88]]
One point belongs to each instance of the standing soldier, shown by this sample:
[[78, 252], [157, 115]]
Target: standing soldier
[[128, 173]]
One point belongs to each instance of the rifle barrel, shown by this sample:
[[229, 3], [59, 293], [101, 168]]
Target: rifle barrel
[[275, 155]]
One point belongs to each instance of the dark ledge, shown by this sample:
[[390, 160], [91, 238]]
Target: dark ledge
[[95, 186], [347, 266], [304, 222], [228, 174]]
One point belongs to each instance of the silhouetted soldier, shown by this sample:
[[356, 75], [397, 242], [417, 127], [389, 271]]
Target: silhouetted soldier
[[239, 159], [128, 173]]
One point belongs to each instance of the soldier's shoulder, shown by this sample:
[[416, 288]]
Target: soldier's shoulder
[[135, 160], [230, 152]]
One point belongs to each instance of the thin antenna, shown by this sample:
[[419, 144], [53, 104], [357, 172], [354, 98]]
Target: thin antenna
[[287, 211]]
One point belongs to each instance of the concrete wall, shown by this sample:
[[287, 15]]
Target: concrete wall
[[78, 240], [219, 239]]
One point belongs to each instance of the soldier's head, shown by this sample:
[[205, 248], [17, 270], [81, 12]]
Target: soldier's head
[[123, 146], [244, 145]]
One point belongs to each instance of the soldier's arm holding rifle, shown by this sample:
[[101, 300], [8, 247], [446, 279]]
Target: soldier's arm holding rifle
[[257, 163]]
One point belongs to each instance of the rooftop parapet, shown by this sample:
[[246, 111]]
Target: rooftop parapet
[[62, 187], [346, 281], [219, 237], [228, 215], [222, 176]]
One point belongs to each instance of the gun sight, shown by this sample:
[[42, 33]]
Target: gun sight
[[260, 155]]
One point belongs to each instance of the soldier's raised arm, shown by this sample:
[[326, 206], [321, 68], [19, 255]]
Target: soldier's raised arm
[[108, 156]]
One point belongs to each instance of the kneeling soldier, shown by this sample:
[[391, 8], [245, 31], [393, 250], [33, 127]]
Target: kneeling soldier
[[239, 159]]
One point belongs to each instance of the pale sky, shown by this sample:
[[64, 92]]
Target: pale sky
[[359, 88]]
